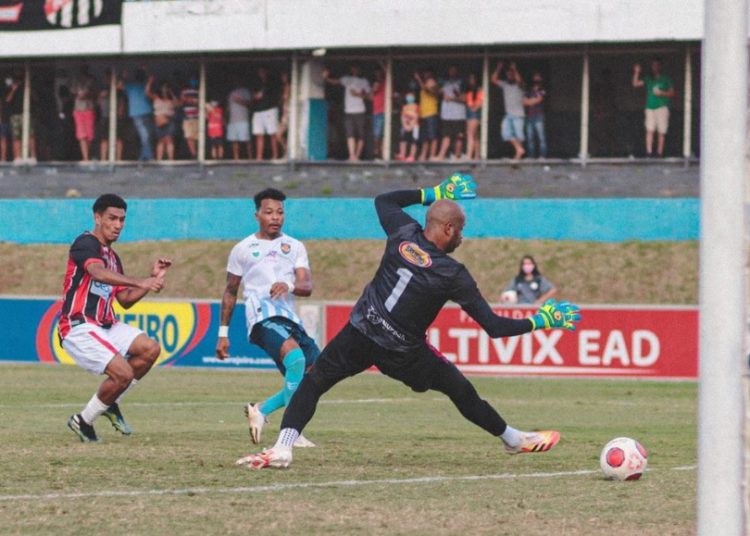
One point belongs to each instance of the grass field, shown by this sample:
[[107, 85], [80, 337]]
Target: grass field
[[389, 462], [584, 272]]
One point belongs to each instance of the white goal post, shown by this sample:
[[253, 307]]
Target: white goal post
[[723, 270]]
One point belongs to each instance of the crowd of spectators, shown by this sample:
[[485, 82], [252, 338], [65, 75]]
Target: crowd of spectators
[[437, 116]]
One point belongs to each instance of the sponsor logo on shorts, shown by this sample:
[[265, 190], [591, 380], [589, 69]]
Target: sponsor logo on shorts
[[415, 255]]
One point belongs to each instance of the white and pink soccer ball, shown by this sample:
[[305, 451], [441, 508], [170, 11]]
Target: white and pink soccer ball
[[623, 458]]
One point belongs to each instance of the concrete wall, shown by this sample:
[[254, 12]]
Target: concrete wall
[[241, 25], [601, 220]]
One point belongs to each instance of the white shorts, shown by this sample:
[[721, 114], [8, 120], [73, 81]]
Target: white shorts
[[238, 131], [93, 347], [657, 119], [266, 122]]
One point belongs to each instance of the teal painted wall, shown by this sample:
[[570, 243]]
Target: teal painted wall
[[603, 220]]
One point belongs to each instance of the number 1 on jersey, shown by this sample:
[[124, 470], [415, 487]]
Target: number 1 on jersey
[[404, 276]]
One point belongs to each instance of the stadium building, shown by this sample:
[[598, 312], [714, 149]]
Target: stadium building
[[585, 51]]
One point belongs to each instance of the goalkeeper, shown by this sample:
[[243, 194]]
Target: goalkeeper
[[387, 326]]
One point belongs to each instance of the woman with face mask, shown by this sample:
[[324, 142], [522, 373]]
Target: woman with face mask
[[529, 286]]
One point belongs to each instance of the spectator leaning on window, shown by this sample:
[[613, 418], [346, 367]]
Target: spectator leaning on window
[[356, 90], [659, 91], [428, 114], [512, 128], [452, 114]]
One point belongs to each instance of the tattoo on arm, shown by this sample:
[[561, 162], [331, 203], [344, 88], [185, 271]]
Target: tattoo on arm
[[229, 299]]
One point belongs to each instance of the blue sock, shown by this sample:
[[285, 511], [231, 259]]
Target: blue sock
[[295, 370], [272, 403]]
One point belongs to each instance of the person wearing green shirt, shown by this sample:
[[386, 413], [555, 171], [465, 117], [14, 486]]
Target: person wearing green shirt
[[659, 91]]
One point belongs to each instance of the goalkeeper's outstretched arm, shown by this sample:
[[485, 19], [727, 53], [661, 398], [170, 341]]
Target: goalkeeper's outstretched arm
[[551, 315], [389, 206]]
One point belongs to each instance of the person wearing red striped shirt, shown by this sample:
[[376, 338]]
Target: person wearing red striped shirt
[[88, 329]]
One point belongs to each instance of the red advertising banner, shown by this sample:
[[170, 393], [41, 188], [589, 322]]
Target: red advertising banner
[[610, 341]]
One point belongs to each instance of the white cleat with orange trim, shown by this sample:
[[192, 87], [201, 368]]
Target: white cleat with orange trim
[[535, 442], [279, 457]]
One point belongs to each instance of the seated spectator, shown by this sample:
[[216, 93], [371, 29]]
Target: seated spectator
[[529, 286], [165, 103], [215, 127], [409, 128]]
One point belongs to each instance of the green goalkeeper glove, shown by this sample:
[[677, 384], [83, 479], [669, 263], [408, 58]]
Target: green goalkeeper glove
[[455, 187], [556, 315]]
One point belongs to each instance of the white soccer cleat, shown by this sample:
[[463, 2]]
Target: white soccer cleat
[[255, 420], [303, 442], [534, 442], [279, 457]]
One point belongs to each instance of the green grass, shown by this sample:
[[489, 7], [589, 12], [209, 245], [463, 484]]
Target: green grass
[[190, 429], [584, 272]]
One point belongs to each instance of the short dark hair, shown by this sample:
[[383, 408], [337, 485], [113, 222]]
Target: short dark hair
[[103, 202], [268, 193]]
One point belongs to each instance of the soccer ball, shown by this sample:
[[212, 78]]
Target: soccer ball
[[623, 458]]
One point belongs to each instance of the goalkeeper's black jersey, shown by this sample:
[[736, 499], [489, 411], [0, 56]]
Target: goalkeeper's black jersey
[[413, 282]]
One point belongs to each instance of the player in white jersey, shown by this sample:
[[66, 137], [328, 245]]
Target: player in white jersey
[[272, 268]]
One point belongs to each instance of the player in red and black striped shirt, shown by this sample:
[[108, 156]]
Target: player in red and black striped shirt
[[88, 329]]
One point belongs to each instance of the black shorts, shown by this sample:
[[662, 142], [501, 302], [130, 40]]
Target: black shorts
[[270, 334], [454, 130], [350, 352], [354, 125]]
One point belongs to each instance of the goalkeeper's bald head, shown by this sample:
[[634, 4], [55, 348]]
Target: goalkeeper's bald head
[[444, 224]]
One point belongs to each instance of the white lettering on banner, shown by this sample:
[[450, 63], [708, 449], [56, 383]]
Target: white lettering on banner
[[463, 335], [639, 336], [547, 347], [587, 346], [505, 348], [616, 348]]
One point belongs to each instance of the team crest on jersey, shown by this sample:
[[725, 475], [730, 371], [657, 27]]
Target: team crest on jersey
[[414, 254], [286, 248]]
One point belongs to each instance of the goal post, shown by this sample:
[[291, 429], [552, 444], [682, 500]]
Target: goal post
[[723, 258]]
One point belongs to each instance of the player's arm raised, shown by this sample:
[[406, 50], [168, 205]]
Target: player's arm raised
[[100, 273], [130, 296], [228, 301]]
